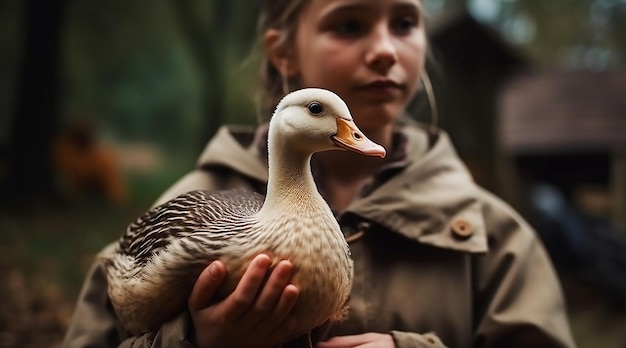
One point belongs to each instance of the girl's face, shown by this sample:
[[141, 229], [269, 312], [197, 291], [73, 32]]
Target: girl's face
[[370, 52]]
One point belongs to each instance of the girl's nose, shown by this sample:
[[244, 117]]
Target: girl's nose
[[381, 54]]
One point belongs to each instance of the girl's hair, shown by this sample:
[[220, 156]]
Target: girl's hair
[[282, 15]]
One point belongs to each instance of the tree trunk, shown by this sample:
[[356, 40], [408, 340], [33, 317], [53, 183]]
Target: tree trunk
[[30, 178]]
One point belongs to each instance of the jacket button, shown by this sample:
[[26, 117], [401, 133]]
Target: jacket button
[[462, 229]]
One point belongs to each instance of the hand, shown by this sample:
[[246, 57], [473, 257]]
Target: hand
[[255, 314], [366, 340]]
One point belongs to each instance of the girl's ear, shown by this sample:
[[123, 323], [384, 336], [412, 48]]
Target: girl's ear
[[278, 54]]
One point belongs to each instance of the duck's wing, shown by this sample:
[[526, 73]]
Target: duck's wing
[[185, 215]]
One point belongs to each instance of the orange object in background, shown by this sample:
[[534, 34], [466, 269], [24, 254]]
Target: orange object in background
[[86, 166]]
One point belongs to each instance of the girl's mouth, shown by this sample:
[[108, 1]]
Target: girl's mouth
[[380, 84], [381, 88]]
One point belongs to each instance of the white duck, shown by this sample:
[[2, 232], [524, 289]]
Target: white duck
[[153, 268]]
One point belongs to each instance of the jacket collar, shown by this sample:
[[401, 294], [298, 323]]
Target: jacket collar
[[425, 202], [429, 199], [236, 148]]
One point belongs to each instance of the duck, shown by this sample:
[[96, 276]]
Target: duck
[[152, 268]]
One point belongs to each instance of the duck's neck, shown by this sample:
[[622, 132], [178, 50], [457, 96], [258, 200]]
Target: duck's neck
[[290, 184]]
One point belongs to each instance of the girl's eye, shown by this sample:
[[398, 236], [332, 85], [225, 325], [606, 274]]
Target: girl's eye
[[348, 28], [404, 24]]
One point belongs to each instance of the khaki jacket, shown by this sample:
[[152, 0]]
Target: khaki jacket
[[438, 260]]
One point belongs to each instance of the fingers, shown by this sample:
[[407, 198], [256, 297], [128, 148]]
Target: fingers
[[206, 285], [246, 291], [366, 340], [343, 341], [273, 288], [279, 322], [286, 303], [267, 314], [260, 305]]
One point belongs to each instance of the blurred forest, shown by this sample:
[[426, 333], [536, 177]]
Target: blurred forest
[[146, 83]]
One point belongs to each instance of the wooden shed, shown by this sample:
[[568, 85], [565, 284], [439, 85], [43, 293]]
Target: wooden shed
[[470, 63], [568, 128]]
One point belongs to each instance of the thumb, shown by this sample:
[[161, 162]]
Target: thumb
[[206, 286]]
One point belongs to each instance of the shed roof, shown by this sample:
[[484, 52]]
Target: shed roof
[[564, 111], [457, 34]]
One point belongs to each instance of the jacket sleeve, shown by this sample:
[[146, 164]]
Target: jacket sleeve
[[95, 324], [519, 300]]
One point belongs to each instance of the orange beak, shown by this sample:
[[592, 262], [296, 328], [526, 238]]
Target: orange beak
[[349, 137]]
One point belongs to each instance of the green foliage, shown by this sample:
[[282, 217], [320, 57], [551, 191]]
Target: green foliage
[[129, 66], [562, 33], [165, 71]]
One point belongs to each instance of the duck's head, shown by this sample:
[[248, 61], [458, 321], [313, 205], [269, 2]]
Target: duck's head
[[315, 120]]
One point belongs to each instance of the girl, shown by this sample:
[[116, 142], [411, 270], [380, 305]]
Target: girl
[[438, 261]]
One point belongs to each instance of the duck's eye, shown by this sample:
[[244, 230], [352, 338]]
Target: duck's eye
[[315, 108]]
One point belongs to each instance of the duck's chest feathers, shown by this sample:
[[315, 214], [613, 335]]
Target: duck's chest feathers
[[303, 228]]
